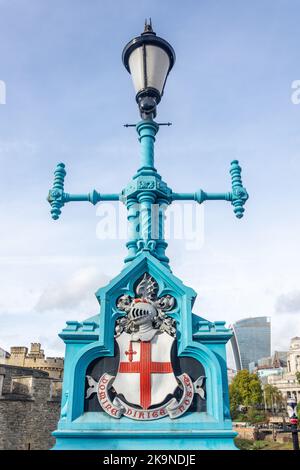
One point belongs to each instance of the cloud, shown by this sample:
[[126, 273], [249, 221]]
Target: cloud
[[288, 303], [74, 292]]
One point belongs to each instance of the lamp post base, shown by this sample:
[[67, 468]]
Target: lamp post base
[[105, 440], [295, 437]]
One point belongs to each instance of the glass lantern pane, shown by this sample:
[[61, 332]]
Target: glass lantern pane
[[157, 65], [136, 65]]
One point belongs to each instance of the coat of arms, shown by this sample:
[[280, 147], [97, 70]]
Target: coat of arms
[[145, 383]]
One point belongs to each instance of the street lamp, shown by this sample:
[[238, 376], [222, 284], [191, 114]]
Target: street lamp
[[149, 59], [292, 412]]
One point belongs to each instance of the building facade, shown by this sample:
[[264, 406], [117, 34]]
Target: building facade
[[287, 382], [251, 341], [34, 359], [3, 354], [273, 365], [231, 373], [265, 373], [29, 408]]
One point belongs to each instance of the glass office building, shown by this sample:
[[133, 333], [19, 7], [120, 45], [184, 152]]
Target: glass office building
[[251, 341]]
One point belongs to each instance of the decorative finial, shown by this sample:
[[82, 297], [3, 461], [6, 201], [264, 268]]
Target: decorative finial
[[148, 27]]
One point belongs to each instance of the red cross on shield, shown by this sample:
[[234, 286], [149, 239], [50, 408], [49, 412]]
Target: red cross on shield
[[145, 375]]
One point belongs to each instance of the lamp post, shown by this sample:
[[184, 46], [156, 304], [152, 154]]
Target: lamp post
[[146, 289], [292, 412], [149, 59]]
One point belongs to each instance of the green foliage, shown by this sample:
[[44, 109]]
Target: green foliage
[[245, 390], [238, 416], [254, 416], [243, 444], [259, 445], [273, 396], [298, 377], [298, 410], [247, 444]]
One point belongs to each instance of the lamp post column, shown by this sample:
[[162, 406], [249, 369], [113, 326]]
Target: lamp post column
[[295, 436], [292, 412], [146, 199], [161, 244], [133, 228], [147, 130]]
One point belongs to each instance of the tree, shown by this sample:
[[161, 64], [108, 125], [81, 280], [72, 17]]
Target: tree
[[298, 377], [273, 396], [245, 390]]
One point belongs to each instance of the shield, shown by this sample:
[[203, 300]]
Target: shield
[[145, 375]]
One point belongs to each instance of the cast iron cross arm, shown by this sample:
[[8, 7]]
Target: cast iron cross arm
[[238, 196], [57, 197]]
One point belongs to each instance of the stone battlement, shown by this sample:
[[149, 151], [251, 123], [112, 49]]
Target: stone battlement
[[35, 359]]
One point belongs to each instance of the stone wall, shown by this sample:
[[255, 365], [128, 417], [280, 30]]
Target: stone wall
[[280, 437], [250, 432], [10, 371], [245, 433], [29, 408]]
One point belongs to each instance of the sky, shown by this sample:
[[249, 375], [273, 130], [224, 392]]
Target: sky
[[229, 96]]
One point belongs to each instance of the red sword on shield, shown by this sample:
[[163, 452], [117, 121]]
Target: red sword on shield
[[130, 352]]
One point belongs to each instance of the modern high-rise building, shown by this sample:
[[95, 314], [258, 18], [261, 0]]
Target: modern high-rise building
[[251, 340]]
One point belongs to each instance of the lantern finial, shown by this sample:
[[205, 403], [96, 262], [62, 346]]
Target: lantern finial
[[148, 27]]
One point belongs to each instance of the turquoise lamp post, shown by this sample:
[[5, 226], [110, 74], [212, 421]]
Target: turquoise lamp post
[[149, 59], [146, 305]]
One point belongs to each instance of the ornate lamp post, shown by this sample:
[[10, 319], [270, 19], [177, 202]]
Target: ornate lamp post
[[165, 350], [292, 412], [149, 59]]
